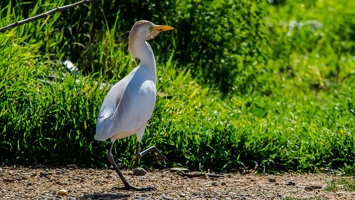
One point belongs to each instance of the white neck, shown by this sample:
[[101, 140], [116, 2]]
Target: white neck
[[146, 56]]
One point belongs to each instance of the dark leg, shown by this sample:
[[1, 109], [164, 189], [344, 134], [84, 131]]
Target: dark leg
[[117, 169], [156, 152]]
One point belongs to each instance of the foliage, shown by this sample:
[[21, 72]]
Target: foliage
[[247, 85], [202, 29]]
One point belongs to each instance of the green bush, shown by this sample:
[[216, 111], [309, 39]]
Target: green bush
[[215, 43]]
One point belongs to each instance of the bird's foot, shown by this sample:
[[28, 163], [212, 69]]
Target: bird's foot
[[159, 157], [130, 187]]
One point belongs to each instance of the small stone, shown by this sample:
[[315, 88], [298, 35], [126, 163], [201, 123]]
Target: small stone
[[312, 187], [223, 183], [77, 179], [167, 198], [139, 172], [214, 183], [215, 175], [63, 192], [315, 187], [182, 195], [308, 188], [8, 180], [272, 179], [72, 166], [340, 186], [61, 171], [290, 183], [44, 174], [207, 185]]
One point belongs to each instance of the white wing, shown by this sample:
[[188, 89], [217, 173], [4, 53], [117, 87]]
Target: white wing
[[108, 108], [127, 107]]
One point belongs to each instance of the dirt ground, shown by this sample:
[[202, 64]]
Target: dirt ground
[[75, 183]]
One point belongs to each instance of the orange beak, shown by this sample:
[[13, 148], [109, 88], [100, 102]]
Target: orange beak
[[161, 28]]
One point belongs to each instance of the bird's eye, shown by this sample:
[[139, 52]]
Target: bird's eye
[[151, 28]]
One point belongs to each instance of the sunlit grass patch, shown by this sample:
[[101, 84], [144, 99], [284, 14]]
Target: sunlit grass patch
[[347, 184]]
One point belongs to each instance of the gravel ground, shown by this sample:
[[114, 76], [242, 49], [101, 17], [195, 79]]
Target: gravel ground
[[76, 183]]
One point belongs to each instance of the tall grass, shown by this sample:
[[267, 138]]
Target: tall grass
[[258, 86]]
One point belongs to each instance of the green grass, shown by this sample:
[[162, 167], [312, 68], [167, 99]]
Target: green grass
[[243, 89], [341, 184]]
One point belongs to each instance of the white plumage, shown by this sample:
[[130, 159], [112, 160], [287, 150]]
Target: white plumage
[[128, 106], [130, 103]]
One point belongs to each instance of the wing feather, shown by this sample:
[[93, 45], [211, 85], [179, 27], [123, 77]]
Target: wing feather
[[110, 105]]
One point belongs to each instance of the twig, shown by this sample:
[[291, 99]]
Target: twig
[[191, 174], [199, 174], [43, 15]]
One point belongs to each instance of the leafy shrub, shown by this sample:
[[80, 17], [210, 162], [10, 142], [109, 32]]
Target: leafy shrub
[[215, 43]]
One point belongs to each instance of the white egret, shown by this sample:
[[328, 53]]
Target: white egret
[[129, 104]]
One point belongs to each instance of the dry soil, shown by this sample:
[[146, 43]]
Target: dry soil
[[76, 183]]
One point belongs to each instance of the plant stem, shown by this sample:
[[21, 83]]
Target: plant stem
[[43, 15]]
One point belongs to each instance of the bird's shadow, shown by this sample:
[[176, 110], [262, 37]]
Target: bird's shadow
[[106, 196]]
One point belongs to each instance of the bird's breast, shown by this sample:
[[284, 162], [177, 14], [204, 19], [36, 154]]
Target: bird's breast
[[148, 88]]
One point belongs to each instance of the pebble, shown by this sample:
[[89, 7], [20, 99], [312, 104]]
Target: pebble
[[308, 188], [63, 192], [312, 187], [215, 175], [290, 183], [316, 187], [61, 171], [77, 179], [44, 174], [139, 172], [340, 186], [182, 195], [272, 179], [167, 198], [72, 166]]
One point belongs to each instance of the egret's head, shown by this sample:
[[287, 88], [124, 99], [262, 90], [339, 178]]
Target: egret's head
[[144, 30]]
